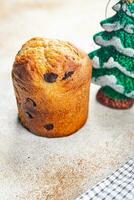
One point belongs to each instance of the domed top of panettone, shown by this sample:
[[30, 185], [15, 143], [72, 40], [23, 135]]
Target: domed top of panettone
[[50, 60]]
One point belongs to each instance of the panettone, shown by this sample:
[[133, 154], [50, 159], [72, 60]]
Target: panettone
[[51, 80]]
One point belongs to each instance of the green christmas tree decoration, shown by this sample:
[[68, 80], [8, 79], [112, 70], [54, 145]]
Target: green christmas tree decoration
[[113, 62]]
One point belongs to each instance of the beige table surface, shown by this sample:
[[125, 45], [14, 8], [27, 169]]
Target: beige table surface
[[35, 168]]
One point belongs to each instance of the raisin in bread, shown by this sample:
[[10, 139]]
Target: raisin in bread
[[51, 81]]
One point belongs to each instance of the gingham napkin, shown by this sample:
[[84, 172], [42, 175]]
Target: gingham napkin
[[118, 186]]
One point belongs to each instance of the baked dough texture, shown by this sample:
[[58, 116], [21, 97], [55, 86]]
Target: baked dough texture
[[51, 80]]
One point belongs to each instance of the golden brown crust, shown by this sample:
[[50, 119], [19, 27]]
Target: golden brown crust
[[51, 81]]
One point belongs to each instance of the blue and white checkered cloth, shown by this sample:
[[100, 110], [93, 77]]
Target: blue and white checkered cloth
[[118, 186]]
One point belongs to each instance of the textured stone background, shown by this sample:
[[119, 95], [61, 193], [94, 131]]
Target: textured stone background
[[34, 168]]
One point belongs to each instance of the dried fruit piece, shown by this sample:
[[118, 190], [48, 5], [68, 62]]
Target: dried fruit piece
[[50, 77], [28, 115], [49, 127], [67, 75], [31, 102]]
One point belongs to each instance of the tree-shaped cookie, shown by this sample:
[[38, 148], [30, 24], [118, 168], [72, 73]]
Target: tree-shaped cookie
[[113, 62]]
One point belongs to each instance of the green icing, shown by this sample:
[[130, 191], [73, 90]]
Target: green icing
[[105, 53], [126, 81], [119, 17], [112, 93], [127, 39], [131, 7]]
